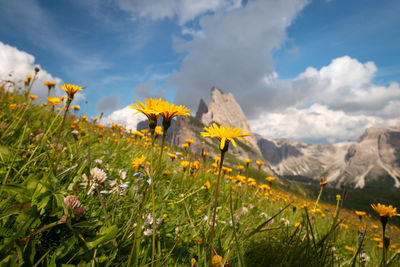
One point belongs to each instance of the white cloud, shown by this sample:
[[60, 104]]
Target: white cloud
[[184, 10], [18, 64], [125, 117], [234, 52], [316, 123], [345, 84]]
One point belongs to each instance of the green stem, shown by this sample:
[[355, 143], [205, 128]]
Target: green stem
[[384, 245], [241, 261], [215, 206], [162, 147], [319, 196], [153, 250]]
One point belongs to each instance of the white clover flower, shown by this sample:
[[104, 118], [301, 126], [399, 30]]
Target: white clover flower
[[98, 175]]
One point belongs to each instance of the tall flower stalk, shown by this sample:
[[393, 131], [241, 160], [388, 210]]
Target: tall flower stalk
[[150, 108], [385, 212], [71, 90], [225, 136], [168, 112]]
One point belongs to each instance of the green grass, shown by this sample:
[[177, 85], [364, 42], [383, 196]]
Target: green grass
[[42, 162]]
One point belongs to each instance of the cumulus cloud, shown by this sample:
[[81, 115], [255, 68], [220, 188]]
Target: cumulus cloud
[[316, 123], [108, 103], [183, 10], [234, 53], [16, 64], [125, 117]]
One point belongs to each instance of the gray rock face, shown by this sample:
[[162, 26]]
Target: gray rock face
[[224, 110], [202, 109]]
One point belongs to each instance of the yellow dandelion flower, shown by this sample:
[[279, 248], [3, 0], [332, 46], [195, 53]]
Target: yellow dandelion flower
[[385, 211], [225, 135], [71, 90], [139, 162], [33, 96], [189, 141], [169, 111], [13, 106], [259, 163], [207, 185], [248, 161], [360, 213], [150, 108], [216, 260], [270, 179], [184, 164], [53, 101]]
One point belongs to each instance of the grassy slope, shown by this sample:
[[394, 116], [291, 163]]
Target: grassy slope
[[41, 163]]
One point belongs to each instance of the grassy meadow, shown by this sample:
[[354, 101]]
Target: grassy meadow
[[76, 193]]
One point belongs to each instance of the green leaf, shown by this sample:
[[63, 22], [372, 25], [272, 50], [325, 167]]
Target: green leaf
[[105, 235], [65, 247]]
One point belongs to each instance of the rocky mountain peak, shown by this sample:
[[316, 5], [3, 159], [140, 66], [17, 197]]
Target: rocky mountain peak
[[202, 109], [224, 110]]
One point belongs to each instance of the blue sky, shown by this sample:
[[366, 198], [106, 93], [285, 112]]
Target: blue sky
[[317, 71]]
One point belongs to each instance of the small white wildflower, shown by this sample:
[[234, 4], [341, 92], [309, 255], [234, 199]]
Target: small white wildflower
[[99, 161], [148, 232], [284, 221]]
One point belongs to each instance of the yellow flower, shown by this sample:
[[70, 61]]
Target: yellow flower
[[195, 165], [139, 162], [259, 163], [150, 108], [33, 97], [63, 98], [172, 156], [49, 84], [185, 146], [385, 211], [169, 111], [207, 185], [270, 179], [225, 135], [158, 131], [240, 167], [71, 89], [76, 107], [247, 161], [184, 164], [189, 141], [217, 159], [28, 77], [205, 153], [216, 260], [13, 106], [350, 249], [360, 213], [53, 101], [297, 224]]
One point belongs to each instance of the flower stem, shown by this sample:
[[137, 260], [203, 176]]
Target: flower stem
[[215, 206], [153, 250]]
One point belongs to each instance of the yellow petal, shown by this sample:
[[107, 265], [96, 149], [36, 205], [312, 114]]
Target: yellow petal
[[222, 143]]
